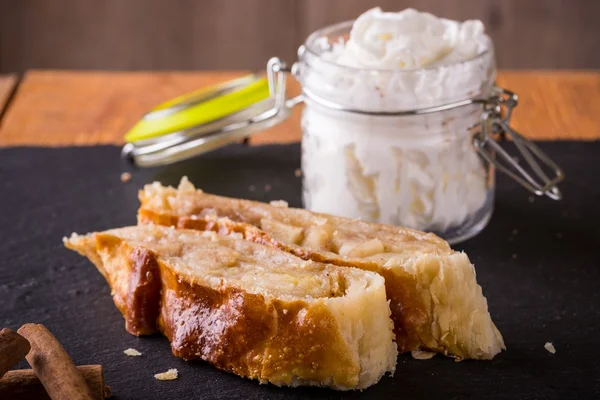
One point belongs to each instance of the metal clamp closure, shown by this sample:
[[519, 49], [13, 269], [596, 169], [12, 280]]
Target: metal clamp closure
[[495, 122], [276, 71]]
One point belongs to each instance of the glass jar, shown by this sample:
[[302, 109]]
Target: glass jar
[[410, 147], [416, 170]]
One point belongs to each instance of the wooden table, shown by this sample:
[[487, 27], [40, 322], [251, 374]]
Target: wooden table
[[7, 84], [61, 108]]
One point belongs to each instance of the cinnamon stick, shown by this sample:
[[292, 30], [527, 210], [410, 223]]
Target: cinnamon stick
[[24, 384], [13, 348], [53, 366]]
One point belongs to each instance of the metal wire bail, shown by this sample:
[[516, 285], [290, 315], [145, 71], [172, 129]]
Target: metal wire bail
[[276, 75], [495, 120]]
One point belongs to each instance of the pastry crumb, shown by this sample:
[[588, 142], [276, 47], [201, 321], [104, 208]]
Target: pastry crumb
[[125, 177], [298, 172], [279, 203], [236, 235], [132, 352], [252, 188], [550, 347], [422, 355], [170, 375], [267, 188]]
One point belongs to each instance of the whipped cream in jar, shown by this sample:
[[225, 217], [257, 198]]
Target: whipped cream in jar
[[418, 171], [394, 127]]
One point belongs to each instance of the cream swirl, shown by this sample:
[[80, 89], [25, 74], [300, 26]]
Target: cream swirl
[[409, 39]]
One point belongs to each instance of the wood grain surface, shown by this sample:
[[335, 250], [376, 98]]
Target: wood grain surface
[[217, 34], [145, 34], [7, 83], [61, 108]]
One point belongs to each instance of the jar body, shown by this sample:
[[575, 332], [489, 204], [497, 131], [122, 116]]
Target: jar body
[[373, 169], [418, 170]]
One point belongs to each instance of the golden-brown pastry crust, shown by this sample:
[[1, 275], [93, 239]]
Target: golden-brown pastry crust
[[282, 341]]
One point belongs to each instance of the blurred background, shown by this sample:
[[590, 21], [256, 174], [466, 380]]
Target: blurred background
[[244, 34]]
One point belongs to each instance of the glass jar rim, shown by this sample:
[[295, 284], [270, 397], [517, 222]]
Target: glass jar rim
[[312, 39]]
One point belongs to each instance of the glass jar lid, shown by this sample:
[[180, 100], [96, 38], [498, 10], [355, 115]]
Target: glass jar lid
[[206, 119]]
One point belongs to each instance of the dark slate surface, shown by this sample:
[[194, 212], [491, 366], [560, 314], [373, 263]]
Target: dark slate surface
[[538, 263]]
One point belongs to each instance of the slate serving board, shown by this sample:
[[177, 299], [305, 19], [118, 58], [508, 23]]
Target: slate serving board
[[538, 263]]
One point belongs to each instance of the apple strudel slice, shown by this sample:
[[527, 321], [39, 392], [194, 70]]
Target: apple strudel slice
[[435, 300], [250, 309]]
